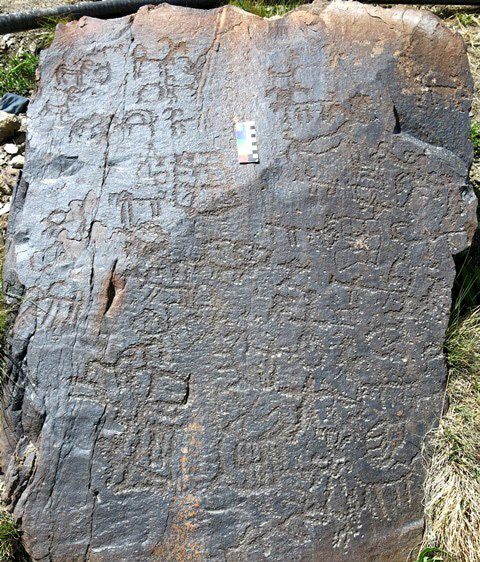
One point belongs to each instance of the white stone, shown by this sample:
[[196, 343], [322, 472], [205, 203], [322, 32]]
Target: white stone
[[17, 162], [11, 148], [4, 210]]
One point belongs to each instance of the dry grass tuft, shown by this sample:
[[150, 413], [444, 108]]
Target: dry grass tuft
[[5, 310], [7, 314], [452, 492]]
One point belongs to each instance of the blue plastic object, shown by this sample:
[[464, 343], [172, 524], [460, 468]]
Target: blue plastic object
[[12, 103]]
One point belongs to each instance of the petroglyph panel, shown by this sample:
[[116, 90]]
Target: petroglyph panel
[[221, 362]]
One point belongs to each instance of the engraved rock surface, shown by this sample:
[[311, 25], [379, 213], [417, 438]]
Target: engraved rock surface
[[225, 362]]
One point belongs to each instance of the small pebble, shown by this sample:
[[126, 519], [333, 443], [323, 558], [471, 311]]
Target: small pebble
[[17, 162], [11, 148], [9, 125], [5, 209]]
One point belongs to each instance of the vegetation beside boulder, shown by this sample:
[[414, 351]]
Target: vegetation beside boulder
[[452, 506], [9, 538]]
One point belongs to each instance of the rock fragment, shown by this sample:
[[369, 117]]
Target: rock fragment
[[9, 125], [17, 162], [10, 148], [8, 181], [4, 209]]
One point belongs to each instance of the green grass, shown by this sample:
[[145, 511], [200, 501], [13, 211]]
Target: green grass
[[9, 537], [10, 541], [475, 138], [266, 8], [466, 19], [47, 31], [433, 555], [466, 287], [17, 74]]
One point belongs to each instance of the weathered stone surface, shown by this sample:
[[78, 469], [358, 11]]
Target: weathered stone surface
[[226, 362]]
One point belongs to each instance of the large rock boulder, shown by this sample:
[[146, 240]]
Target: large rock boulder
[[216, 361]]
